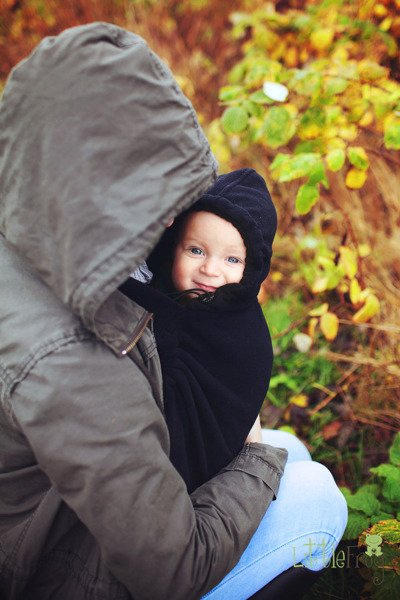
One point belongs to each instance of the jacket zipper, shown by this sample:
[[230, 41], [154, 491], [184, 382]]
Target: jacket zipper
[[137, 334]]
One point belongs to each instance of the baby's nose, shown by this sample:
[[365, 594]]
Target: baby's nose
[[210, 266]]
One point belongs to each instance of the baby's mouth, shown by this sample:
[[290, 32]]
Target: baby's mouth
[[206, 288]]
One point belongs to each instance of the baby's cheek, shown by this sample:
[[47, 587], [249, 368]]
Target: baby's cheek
[[179, 273]]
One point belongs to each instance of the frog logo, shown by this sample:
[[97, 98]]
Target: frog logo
[[373, 545]]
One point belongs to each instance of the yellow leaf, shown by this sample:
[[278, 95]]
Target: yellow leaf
[[276, 276], [291, 108], [355, 291], [312, 323], [334, 143], [309, 131], [329, 325], [364, 250], [386, 24], [299, 400], [287, 428], [365, 293], [348, 260], [355, 179], [319, 310], [320, 284], [340, 54], [348, 132], [380, 10], [322, 38], [366, 119], [369, 310]]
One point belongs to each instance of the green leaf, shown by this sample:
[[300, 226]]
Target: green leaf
[[370, 488], [313, 116], [318, 175], [392, 134], [283, 379], [394, 450], [358, 157], [237, 73], [230, 92], [386, 470], [260, 98], [391, 486], [383, 516], [299, 165], [345, 491], [307, 82], [335, 85], [255, 110], [279, 160], [307, 196], [234, 119], [335, 159], [364, 502], [356, 524], [391, 489], [315, 145], [278, 127]]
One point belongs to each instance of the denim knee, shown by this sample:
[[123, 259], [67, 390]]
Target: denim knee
[[283, 439]]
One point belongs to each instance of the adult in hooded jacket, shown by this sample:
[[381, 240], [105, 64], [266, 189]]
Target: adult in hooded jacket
[[99, 149]]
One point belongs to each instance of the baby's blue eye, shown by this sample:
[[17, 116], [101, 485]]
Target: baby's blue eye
[[233, 259], [196, 250]]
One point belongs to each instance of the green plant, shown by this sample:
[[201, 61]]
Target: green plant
[[378, 500], [374, 514]]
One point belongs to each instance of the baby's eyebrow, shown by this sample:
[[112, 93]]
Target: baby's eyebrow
[[234, 250], [190, 240]]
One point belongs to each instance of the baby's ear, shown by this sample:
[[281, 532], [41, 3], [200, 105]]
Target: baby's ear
[[170, 222]]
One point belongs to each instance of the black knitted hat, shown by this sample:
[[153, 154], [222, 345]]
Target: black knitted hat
[[242, 198]]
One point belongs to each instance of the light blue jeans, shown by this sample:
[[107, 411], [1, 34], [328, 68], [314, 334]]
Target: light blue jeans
[[303, 525]]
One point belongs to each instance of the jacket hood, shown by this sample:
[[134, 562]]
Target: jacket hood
[[242, 198], [99, 149]]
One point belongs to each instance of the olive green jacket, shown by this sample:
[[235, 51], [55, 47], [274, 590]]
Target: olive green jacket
[[99, 149]]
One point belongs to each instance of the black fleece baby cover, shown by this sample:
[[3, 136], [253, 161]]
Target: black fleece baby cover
[[215, 349]]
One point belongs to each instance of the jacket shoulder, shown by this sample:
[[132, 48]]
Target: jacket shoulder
[[33, 321]]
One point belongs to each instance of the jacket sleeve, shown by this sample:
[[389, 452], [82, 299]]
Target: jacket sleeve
[[99, 435]]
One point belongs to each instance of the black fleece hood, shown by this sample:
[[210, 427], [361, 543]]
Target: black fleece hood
[[242, 198]]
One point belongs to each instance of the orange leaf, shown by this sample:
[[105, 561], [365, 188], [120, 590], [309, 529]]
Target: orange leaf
[[331, 430], [312, 323]]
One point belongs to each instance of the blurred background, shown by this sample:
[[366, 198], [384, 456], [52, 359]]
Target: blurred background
[[307, 93]]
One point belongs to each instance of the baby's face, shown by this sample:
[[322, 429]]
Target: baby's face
[[209, 253]]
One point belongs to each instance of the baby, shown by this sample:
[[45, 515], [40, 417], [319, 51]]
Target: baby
[[212, 338]]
